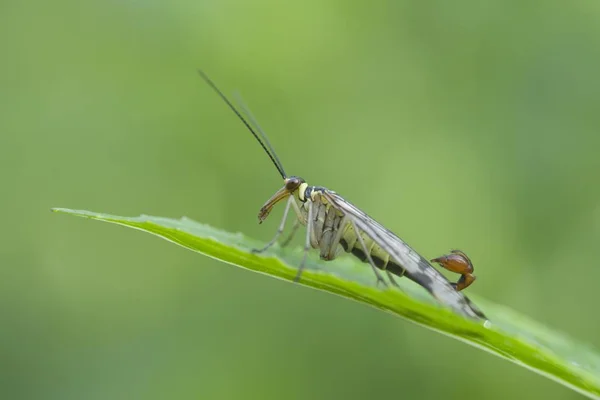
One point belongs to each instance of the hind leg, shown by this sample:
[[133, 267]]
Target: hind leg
[[368, 256], [392, 279]]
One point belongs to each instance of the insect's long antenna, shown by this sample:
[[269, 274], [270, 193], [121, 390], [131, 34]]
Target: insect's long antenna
[[237, 97], [270, 153]]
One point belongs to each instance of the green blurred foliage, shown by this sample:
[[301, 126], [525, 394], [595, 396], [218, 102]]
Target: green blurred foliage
[[465, 124]]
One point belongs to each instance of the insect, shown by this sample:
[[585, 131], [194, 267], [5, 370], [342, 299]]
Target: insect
[[333, 223]]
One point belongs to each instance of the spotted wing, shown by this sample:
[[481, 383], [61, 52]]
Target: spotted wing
[[402, 254]]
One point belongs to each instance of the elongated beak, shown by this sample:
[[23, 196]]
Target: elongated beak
[[276, 198]]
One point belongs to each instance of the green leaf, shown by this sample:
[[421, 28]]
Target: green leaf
[[507, 334]]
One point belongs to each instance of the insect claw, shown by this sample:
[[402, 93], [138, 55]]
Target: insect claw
[[301, 266], [299, 274], [382, 281], [392, 280], [259, 251]]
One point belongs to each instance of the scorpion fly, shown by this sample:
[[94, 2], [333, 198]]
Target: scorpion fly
[[333, 223]]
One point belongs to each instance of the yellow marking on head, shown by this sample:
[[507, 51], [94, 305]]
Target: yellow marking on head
[[301, 191]]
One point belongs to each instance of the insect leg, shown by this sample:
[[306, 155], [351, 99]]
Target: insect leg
[[280, 229], [458, 262], [292, 233], [299, 220], [338, 237], [366, 251], [392, 279], [309, 227]]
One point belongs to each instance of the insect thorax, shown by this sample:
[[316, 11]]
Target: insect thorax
[[310, 193], [327, 220]]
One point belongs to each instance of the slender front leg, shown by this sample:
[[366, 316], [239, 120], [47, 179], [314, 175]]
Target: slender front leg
[[297, 222], [338, 237], [292, 233], [366, 251], [309, 227], [280, 229]]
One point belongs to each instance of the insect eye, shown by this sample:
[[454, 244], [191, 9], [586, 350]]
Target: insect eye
[[292, 184]]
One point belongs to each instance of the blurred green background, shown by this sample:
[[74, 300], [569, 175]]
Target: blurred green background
[[465, 124]]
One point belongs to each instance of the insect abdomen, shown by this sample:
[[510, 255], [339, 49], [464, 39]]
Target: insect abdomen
[[326, 224], [381, 259]]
